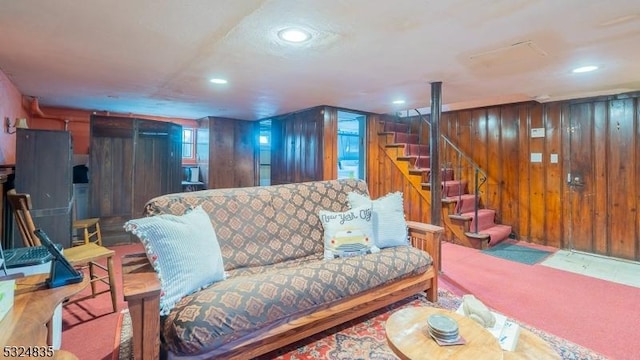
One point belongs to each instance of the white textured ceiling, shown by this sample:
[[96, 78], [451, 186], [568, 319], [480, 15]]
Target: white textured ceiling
[[156, 56]]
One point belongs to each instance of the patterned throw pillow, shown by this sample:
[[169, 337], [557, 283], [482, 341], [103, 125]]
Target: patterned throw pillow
[[389, 224], [347, 233], [183, 250]]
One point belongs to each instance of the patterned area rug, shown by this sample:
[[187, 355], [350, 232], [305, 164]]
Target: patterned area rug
[[364, 338]]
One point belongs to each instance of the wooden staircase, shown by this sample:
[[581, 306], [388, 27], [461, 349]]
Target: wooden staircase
[[466, 220]]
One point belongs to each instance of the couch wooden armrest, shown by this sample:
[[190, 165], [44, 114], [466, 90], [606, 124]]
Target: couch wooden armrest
[[141, 289], [427, 237]]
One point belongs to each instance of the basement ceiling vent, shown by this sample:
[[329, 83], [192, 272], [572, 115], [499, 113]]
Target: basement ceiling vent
[[509, 59], [519, 50]]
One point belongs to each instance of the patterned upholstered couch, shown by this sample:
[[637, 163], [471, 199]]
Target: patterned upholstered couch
[[278, 289]]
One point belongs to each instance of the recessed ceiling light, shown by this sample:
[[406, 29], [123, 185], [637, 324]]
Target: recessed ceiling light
[[583, 69], [218, 81], [398, 102], [294, 35]]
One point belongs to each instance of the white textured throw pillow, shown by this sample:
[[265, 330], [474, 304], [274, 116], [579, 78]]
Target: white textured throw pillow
[[389, 224], [183, 250], [347, 233]]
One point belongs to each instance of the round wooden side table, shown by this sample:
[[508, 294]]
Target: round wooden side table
[[408, 338]]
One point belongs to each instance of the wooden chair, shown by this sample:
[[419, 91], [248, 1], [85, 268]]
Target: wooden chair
[[90, 229], [80, 256]]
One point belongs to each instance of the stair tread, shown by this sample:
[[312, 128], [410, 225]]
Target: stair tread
[[395, 145], [480, 211], [496, 233], [461, 196], [479, 235], [460, 217], [454, 182]]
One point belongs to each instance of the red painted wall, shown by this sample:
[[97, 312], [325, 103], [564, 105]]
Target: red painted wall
[[13, 106], [10, 107], [78, 123]]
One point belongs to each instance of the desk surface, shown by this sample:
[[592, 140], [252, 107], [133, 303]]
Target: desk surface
[[33, 306], [192, 183]]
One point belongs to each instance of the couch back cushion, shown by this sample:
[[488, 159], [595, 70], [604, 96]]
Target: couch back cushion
[[264, 225]]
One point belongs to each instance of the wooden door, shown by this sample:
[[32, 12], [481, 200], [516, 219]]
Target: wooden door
[[150, 163], [43, 170], [158, 156], [111, 170], [623, 179], [602, 178], [580, 178]]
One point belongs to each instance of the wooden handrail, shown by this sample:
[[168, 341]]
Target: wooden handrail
[[478, 180]]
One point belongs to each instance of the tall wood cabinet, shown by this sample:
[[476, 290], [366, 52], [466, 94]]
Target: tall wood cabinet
[[44, 170], [130, 162]]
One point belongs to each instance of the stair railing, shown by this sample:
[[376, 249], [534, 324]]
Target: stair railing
[[480, 177], [477, 197], [398, 118]]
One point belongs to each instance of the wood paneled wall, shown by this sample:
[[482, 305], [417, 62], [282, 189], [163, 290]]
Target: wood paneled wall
[[298, 146], [587, 200], [233, 153]]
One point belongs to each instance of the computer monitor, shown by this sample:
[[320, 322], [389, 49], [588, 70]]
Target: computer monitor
[[62, 272]]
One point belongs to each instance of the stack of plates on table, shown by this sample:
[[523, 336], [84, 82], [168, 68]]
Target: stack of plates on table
[[443, 328]]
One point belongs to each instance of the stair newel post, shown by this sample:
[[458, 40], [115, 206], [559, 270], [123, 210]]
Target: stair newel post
[[477, 202]]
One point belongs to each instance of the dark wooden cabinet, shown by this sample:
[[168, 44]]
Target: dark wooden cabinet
[[130, 162], [44, 170]]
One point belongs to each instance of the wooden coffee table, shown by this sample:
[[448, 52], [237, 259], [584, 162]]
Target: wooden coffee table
[[408, 339]]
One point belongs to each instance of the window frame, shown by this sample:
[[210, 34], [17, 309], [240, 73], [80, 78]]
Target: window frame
[[188, 148]]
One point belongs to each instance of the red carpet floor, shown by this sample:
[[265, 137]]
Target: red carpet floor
[[89, 327], [596, 314]]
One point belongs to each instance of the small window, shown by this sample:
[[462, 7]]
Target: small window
[[188, 143]]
